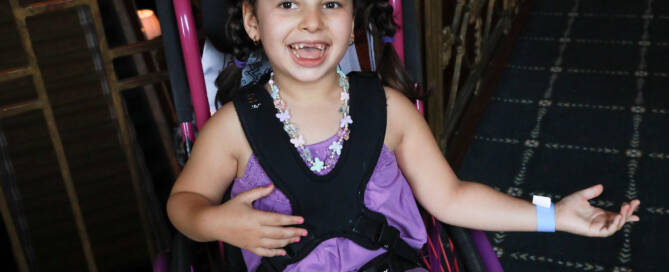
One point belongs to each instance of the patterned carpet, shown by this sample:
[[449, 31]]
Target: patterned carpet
[[584, 100]]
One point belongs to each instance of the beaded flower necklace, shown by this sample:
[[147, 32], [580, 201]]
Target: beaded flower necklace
[[315, 164]]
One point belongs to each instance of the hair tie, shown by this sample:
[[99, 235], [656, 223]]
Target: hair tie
[[388, 39], [240, 63]]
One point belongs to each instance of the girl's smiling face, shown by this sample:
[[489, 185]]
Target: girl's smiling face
[[304, 39]]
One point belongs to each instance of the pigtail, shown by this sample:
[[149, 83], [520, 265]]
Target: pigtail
[[393, 74], [379, 13], [237, 43], [228, 84]]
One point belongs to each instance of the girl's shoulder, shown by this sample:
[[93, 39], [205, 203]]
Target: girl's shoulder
[[224, 126], [215, 158], [402, 115], [225, 118]]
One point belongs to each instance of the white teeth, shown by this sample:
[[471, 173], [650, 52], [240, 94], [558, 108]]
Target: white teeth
[[295, 53], [301, 46], [297, 46]]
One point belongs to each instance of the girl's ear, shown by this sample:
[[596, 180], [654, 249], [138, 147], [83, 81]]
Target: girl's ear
[[250, 21]]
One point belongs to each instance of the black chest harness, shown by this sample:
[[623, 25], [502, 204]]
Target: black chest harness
[[332, 205]]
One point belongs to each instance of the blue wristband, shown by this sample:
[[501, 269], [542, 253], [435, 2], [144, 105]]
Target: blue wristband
[[546, 219]]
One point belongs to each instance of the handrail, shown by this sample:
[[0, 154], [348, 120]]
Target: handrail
[[476, 29], [50, 5], [142, 80], [14, 73], [136, 48], [21, 107]]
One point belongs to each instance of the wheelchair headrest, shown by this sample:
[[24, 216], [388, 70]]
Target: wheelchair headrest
[[214, 17]]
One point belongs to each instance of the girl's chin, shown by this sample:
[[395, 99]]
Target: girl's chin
[[310, 74]]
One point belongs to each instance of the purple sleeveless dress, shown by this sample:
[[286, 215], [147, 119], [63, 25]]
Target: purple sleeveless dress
[[387, 192]]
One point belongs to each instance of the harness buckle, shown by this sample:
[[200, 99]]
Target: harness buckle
[[388, 236]]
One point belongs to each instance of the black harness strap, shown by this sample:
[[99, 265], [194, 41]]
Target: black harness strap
[[332, 204]]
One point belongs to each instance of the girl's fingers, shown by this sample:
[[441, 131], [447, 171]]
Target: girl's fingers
[[635, 205], [625, 210], [591, 192], [278, 219], [283, 232], [256, 193], [277, 243], [632, 207], [623, 218], [268, 252], [611, 222]]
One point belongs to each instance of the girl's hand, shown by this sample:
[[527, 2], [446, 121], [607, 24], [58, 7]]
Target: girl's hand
[[574, 214], [260, 232]]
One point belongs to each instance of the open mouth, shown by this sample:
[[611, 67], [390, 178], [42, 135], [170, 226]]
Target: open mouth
[[308, 50]]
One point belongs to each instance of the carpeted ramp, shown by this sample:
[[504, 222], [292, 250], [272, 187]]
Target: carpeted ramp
[[584, 100]]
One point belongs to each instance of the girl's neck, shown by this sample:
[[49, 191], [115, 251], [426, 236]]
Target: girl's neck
[[300, 91]]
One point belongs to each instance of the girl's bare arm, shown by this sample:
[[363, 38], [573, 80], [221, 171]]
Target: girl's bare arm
[[207, 174], [195, 208], [475, 205]]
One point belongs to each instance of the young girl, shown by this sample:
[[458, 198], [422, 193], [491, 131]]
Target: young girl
[[349, 155]]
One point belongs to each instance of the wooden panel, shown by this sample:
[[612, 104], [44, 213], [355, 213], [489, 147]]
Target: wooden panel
[[89, 132], [17, 91], [11, 52], [46, 207], [6, 254], [47, 5], [29, 2]]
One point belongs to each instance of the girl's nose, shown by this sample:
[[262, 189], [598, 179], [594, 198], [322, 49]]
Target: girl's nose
[[311, 20]]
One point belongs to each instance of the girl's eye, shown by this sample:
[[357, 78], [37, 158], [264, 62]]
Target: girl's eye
[[287, 5], [331, 5]]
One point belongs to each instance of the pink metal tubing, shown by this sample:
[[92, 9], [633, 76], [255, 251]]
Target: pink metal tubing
[[399, 35], [187, 132], [191, 54]]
